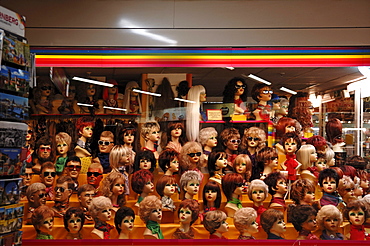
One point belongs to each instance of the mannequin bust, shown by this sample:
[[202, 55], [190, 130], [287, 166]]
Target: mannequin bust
[[232, 186], [124, 221], [95, 175], [105, 145], [128, 136], [36, 196], [267, 157], [30, 143], [243, 165], [303, 192], [245, 223], [190, 182], [85, 194], [217, 161], [277, 188], [63, 142], [188, 213], [110, 96], [291, 143], [258, 192], [166, 186], [43, 93], [283, 126], [329, 219], [113, 187], [150, 133], [120, 162], [43, 222], [73, 168], [101, 211], [208, 140], [282, 111], [357, 213], [273, 224], [63, 191], [142, 183], [262, 93], [328, 181], [215, 223], [43, 153], [47, 177], [69, 104], [169, 161], [236, 91], [74, 220], [346, 189], [150, 212], [303, 218], [230, 139]]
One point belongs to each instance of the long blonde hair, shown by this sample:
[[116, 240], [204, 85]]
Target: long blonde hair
[[192, 112]]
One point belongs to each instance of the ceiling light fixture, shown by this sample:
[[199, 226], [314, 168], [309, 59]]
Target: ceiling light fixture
[[365, 71], [288, 90], [147, 92], [85, 105], [183, 100], [230, 68], [113, 108], [92, 81], [259, 79]]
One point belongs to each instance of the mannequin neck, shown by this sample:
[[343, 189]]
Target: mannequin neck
[[184, 227], [168, 173], [149, 144], [188, 196], [123, 235], [208, 148]]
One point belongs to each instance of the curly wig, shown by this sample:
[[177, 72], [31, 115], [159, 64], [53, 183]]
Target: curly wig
[[269, 217], [299, 189], [147, 127], [230, 90], [299, 109], [257, 184], [108, 184], [193, 206], [146, 207], [139, 180], [272, 179], [205, 134], [166, 157], [185, 159], [230, 182], [299, 214], [356, 205], [98, 204], [254, 132], [328, 212], [319, 142], [283, 123], [145, 155], [213, 220], [228, 134], [78, 212], [333, 131], [121, 214], [187, 176], [244, 217]]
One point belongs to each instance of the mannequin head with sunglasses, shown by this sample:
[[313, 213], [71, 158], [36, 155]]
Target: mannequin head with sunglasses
[[43, 222], [36, 196], [42, 96], [74, 220], [346, 189], [47, 177], [142, 182], [230, 138], [150, 133], [191, 157], [262, 93], [95, 174], [43, 153], [63, 142], [236, 91], [105, 144], [232, 186], [73, 168], [145, 159], [190, 183], [254, 139], [63, 191], [113, 187]]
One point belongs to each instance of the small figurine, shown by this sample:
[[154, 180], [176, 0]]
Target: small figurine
[[47, 177], [142, 184], [230, 139], [236, 91], [267, 158], [36, 196], [176, 136], [101, 211], [262, 93], [197, 94], [191, 158], [215, 223], [329, 219], [217, 161], [307, 156], [232, 186], [150, 133], [124, 222], [74, 220], [303, 192], [303, 218], [245, 223], [243, 165], [346, 189], [328, 181], [73, 167], [188, 213], [105, 143], [357, 212], [43, 221], [277, 188], [190, 182], [94, 176], [258, 192], [145, 160], [211, 196], [85, 194], [131, 99], [150, 212], [43, 153], [84, 126], [113, 187], [63, 142], [63, 191], [169, 161], [208, 140], [273, 224], [166, 186]]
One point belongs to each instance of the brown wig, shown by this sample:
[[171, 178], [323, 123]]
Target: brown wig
[[213, 186], [230, 182], [162, 181], [356, 205], [299, 109], [191, 204], [333, 131], [139, 180], [272, 179], [78, 212], [299, 214], [283, 123], [166, 157], [212, 159], [269, 217], [300, 187]]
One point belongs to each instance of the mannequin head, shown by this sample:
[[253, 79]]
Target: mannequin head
[[144, 159], [261, 92], [364, 181], [257, 191], [276, 183], [303, 217], [150, 209], [124, 220], [30, 136], [85, 194], [106, 142], [119, 156], [188, 211], [329, 218], [196, 94], [36, 195], [190, 182], [63, 189], [208, 137], [285, 125], [243, 165], [191, 156], [150, 131], [303, 192], [291, 143], [166, 186], [94, 174], [142, 181], [321, 162], [217, 161], [110, 91], [301, 109], [283, 110], [272, 221], [176, 130], [169, 160], [254, 137], [235, 87], [44, 150], [114, 185], [63, 143], [230, 138], [212, 194], [27, 176], [349, 171], [47, 174], [84, 126], [357, 212], [128, 135], [43, 219], [328, 180], [307, 156], [101, 209], [319, 143], [267, 157], [73, 167], [245, 220], [333, 131], [232, 183], [214, 221], [131, 97], [74, 220], [90, 90], [346, 189]]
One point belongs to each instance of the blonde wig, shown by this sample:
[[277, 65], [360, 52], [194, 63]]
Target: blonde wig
[[184, 158], [240, 159], [116, 154], [328, 212], [187, 176], [345, 183], [147, 205], [147, 127], [192, 112], [257, 184], [109, 181], [213, 220], [254, 132], [63, 137], [244, 217], [98, 204], [126, 98], [303, 155], [205, 134]]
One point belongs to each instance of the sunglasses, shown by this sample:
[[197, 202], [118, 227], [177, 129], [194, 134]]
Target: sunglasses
[[240, 86], [101, 142], [44, 88], [28, 175], [52, 174], [194, 154], [239, 184], [255, 139], [45, 149], [30, 131], [62, 189], [235, 141], [42, 195], [96, 174], [74, 167], [267, 92]]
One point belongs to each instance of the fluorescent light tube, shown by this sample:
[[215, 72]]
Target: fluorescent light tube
[[85, 105], [147, 92], [259, 79], [113, 108], [230, 68], [183, 100], [93, 81], [288, 90]]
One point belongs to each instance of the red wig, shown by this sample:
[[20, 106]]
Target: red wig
[[83, 122], [139, 180], [334, 131], [230, 182], [283, 123], [349, 171], [106, 90]]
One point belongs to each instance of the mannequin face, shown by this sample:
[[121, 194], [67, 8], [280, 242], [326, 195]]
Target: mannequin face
[[349, 195], [44, 151], [313, 156], [233, 144], [221, 162], [105, 215], [320, 164], [278, 227], [185, 215], [309, 197], [46, 225], [258, 195], [87, 131], [38, 198], [289, 129], [290, 146], [148, 187], [128, 138], [62, 148], [62, 193], [127, 224], [310, 224], [364, 184], [192, 187], [156, 215], [174, 165], [71, 92], [253, 142], [85, 198], [253, 228], [112, 90], [118, 187], [224, 227], [27, 177], [357, 217], [281, 186], [125, 159], [45, 90], [239, 189], [74, 224], [90, 90], [153, 134], [212, 141], [29, 133], [176, 132], [329, 185], [94, 176], [169, 189], [241, 167], [331, 224], [240, 87], [273, 163], [265, 94], [283, 109], [145, 164], [105, 144], [202, 97], [73, 169], [47, 176], [194, 157], [211, 195]]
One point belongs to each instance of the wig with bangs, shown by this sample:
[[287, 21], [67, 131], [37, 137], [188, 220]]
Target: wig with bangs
[[184, 158]]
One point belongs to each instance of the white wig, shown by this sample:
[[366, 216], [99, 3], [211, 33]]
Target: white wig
[[303, 155], [192, 112]]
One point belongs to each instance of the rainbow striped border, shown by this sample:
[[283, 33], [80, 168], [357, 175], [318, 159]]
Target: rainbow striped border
[[203, 57]]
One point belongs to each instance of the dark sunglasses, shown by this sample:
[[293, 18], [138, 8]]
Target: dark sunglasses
[[194, 154], [52, 174], [42, 195], [62, 189], [255, 139], [74, 167], [44, 88], [101, 142], [235, 141], [30, 131], [45, 149], [239, 184], [240, 86], [96, 174]]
